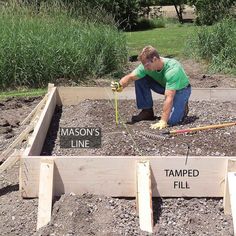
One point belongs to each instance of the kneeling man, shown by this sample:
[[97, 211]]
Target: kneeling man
[[161, 75]]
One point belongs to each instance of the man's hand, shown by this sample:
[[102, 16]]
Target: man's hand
[[159, 125], [116, 86]]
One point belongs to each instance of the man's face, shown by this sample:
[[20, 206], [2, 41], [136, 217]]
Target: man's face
[[150, 64]]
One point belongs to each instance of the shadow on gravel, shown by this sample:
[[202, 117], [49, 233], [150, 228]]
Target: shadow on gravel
[[190, 119], [51, 136], [8, 189], [157, 209]]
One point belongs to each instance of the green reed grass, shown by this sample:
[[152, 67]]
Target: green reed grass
[[217, 45], [39, 48]]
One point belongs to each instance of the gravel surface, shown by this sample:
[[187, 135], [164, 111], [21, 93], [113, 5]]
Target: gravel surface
[[138, 139], [98, 215]]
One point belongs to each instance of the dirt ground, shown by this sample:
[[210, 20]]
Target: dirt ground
[[99, 215]]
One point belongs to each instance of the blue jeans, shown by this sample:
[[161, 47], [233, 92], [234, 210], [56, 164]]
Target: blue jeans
[[144, 100]]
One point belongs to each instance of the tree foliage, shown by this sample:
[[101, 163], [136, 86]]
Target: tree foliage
[[125, 12], [211, 11]]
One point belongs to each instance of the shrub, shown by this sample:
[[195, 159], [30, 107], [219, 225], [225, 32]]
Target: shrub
[[160, 23], [144, 24]]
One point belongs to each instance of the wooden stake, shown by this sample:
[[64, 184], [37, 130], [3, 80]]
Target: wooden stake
[[231, 167], [232, 195], [45, 192], [50, 86], [144, 196], [226, 199]]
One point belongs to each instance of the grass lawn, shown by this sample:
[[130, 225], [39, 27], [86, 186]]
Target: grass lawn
[[168, 41], [22, 93]]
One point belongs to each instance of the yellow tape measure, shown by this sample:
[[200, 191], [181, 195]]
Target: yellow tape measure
[[116, 108]]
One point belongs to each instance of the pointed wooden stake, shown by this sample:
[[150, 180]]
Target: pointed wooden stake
[[232, 196], [231, 167], [144, 196], [230, 191], [45, 192]]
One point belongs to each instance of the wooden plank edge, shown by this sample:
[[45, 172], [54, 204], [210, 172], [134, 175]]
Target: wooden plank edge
[[144, 194], [232, 196], [31, 163], [45, 192], [231, 167], [43, 116], [36, 110], [39, 106], [226, 198]]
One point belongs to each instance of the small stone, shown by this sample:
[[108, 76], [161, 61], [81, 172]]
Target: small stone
[[9, 135], [14, 123], [5, 130], [4, 123], [71, 213]]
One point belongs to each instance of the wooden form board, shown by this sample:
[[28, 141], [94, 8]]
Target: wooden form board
[[45, 192], [231, 168], [144, 196], [34, 112], [36, 140], [232, 194], [74, 95], [230, 191], [116, 176]]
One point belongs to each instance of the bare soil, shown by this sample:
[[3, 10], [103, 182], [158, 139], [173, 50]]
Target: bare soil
[[99, 215]]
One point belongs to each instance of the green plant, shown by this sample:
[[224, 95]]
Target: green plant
[[160, 23], [216, 44], [144, 24], [35, 49]]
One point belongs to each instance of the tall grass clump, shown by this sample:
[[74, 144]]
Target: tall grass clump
[[39, 48], [217, 45]]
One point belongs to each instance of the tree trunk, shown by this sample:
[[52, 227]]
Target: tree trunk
[[179, 12]]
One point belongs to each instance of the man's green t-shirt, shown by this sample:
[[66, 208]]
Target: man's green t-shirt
[[172, 76]]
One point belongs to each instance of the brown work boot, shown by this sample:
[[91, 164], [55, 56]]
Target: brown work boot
[[145, 114], [186, 110]]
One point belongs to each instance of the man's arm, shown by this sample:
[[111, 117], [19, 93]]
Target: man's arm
[[168, 103], [124, 81]]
